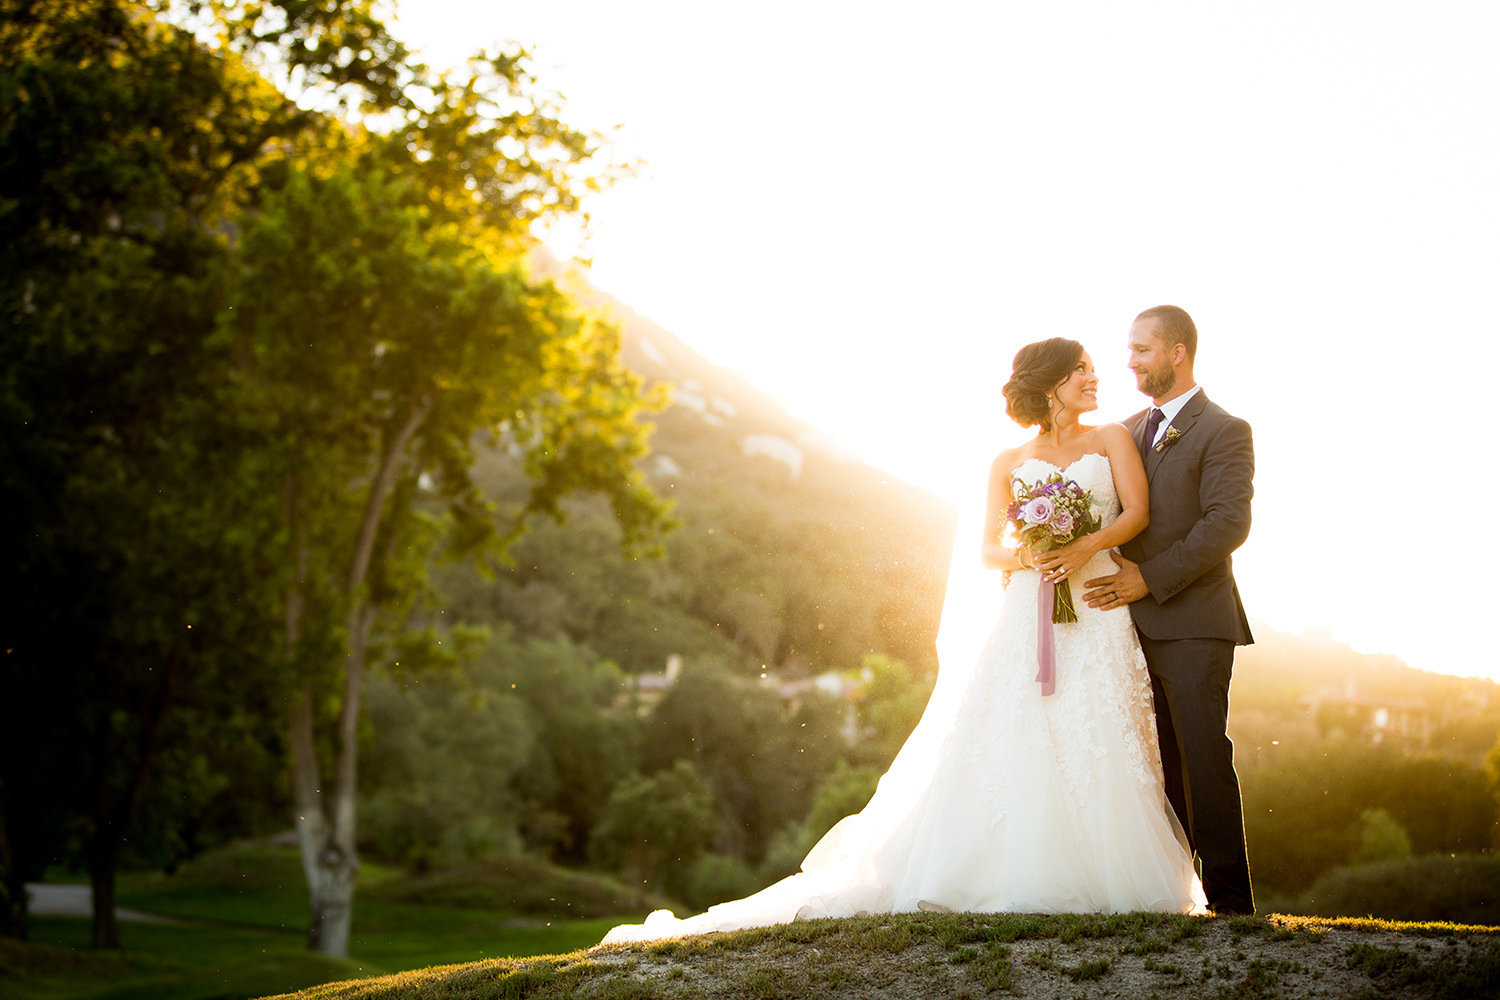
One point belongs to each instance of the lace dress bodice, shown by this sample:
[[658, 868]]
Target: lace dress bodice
[[1092, 472]]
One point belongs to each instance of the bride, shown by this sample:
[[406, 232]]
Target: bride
[[1006, 798]]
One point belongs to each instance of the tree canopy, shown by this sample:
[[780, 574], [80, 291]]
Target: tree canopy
[[265, 283]]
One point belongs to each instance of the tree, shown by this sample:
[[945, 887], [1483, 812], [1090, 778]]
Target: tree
[[1303, 806], [1492, 776], [519, 742], [188, 447], [584, 744], [758, 757], [391, 341], [1381, 838], [124, 146], [403, 325], [443, 750], [657, 826], [12, 903], [891, 701]]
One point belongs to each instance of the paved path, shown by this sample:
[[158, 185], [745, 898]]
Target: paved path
[[49, 900]]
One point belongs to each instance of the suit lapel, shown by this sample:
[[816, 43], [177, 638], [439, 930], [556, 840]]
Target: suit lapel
[[1183, 423]]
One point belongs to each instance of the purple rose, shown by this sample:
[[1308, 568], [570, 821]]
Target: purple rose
[[1063, 522], [1037, 511]]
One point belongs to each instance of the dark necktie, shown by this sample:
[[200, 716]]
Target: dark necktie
[[1152, 423]]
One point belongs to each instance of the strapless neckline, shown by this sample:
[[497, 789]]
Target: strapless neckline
[[1064, 469]]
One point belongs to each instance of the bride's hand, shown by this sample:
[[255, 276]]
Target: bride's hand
[[1059, 564]]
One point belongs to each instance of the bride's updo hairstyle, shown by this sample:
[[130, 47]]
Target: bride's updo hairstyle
[[1037, 370]]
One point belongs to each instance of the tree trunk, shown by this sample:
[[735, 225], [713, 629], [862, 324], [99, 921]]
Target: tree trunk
[[330, 876], [337, 864], [330, 882], [103, 855], [329, 858], [332, 902], [12, 884], [115, 814]]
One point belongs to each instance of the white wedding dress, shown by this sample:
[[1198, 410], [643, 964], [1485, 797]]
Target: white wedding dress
[[1004, 800]]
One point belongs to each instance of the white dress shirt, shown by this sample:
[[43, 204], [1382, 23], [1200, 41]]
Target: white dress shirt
[[1170, 410]]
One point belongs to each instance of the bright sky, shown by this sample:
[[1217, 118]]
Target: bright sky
[[867, 207]]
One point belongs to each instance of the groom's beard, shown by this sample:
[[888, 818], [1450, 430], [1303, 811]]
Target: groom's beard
[[1156, 381]]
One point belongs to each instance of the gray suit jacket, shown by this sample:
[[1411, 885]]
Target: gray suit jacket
[[1200, 513]]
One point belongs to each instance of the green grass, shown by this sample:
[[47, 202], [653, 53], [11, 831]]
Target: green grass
[[244, 919], [1444, 977], [156, 961], [254, 885], [520, 885], [262, 887], [989, 967], [403, 937]]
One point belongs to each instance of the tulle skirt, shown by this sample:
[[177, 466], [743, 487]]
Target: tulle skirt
[[1003, 800]]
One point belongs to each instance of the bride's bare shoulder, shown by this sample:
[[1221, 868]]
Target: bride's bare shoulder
[[1118, 444], [1114, 435]]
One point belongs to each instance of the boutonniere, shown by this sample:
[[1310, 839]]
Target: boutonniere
[[1168, 439]]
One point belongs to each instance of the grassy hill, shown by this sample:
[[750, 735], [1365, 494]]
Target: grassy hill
[[239, 916], [967, 955]]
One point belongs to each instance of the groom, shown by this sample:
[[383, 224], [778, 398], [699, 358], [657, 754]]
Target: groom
[[1176, 578]]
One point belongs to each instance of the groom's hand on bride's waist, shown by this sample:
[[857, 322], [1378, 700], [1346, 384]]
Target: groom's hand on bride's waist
[[1117, 590]]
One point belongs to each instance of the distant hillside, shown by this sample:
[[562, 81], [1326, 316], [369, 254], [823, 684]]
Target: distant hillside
[[720, 396], [1297, 687], [839, 535], [792, 554]]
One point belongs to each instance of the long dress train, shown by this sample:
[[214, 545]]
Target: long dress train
[[1004, 800]]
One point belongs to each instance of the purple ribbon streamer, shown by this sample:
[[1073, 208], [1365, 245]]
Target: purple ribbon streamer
[[1046, 673]]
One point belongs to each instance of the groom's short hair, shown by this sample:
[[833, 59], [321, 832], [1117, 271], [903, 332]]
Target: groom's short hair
[[1174, 326]]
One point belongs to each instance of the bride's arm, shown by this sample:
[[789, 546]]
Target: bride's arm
[[992, 552], [1130, 485]]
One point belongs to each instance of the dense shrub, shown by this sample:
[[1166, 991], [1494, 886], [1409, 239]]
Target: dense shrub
[[1462, 888], [842, 793], [1303, 806], [713, 878], [654, 827], [761, 760], [1381, 838]]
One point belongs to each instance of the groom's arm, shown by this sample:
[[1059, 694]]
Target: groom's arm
[[1224, 491]]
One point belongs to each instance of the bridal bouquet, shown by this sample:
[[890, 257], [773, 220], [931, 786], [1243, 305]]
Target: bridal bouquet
[[1049, 514]]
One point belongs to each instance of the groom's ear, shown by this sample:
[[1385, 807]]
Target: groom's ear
[[1179, 353]]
